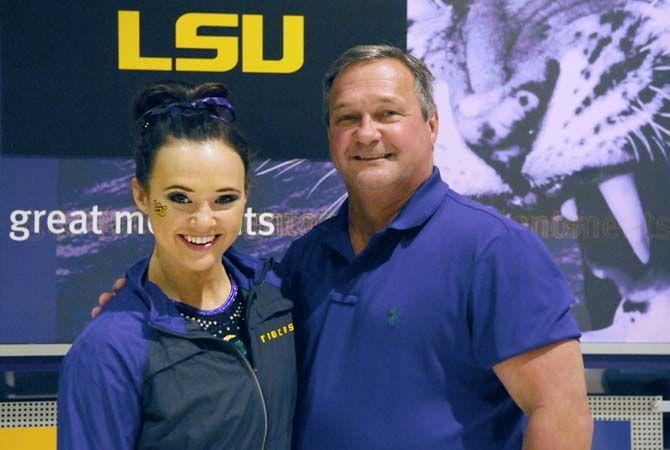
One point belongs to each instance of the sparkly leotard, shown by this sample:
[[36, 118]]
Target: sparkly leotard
[[225, 322]]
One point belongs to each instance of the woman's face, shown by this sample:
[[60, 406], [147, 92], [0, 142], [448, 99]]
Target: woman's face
[[196, 200]]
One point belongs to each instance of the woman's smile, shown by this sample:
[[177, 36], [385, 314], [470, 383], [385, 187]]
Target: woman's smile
[[199, 243]]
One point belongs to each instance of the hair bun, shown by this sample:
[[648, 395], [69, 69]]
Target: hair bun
[[209, 90], [176, 110], [160, 94], [165, 93]]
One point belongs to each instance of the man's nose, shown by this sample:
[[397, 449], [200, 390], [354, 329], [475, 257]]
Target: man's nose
[[368, 131]]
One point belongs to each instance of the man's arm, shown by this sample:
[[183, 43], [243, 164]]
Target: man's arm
[[548, 385]]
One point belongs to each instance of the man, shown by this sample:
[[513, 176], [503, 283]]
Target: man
[[420, 313], [423, 320]]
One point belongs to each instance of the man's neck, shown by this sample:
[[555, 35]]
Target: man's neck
[[371, 213]]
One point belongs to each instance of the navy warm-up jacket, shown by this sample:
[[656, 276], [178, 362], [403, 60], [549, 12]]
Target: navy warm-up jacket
[[140, 376]]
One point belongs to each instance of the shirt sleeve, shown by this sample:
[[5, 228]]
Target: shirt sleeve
[[519, 300], [99, 405]]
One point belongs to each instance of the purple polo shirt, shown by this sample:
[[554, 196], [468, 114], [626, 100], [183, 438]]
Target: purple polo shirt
[[396, 345]]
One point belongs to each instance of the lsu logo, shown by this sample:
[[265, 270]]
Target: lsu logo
[[226, 47]]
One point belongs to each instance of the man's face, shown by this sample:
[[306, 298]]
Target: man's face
[[379, 140]]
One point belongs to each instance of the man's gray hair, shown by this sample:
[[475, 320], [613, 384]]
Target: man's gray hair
[[423, 79]]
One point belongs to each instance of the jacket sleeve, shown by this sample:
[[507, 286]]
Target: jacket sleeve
[[99, 398]]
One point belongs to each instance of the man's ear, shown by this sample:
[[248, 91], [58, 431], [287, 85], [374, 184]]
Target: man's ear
[[140, 196], [434, 125]]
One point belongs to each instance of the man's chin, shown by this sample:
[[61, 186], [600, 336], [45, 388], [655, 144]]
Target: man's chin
[[373, 179]]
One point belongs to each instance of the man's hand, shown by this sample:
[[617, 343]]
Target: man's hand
[[105, 297], [548, 385]]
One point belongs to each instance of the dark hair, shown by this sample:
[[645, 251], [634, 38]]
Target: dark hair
[[423, 78], [157, 122]]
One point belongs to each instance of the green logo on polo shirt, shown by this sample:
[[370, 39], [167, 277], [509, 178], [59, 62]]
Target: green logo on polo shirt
[[393, 317]]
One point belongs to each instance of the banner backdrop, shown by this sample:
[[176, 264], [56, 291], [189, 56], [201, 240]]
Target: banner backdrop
[[554, 112], [69, 71]]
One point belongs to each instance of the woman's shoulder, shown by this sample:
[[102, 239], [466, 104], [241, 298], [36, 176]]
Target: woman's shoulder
[[121, 333], [104, 369]]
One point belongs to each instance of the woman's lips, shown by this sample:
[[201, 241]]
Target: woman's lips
[[199, 247]]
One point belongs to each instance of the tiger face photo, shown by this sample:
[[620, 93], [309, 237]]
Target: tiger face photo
[[558, 114]]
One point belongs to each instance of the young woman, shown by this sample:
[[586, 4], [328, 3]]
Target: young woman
[[177, 360]]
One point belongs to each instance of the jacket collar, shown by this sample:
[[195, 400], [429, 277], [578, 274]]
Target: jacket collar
[[247, 272]]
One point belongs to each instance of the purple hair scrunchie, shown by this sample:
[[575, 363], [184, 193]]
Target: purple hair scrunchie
[[218, 108]]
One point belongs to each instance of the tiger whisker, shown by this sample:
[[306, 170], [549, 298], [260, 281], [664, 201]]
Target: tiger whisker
[[647, 47], [279, 166], [287, 168], [663, 150], [641, 108], [660, 91], [662, 147], [653, 128], [261, 165], [634, 147], [333, 206], [642, 138], [321, 180], [638, 106], [635, 105], [656, 125], [662, 68]]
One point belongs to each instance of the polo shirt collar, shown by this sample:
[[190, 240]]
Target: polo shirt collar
[[336, 234], [416, 211], [422, 204]]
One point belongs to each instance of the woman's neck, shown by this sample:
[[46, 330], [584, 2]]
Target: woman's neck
[[202, 290]]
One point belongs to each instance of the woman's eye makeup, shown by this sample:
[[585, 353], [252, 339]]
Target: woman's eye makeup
[[178, 197], [228, 198]]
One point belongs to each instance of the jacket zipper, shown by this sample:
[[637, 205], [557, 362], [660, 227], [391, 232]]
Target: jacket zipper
[[250, 300], [246, 364], [260, 392], [252, 293]]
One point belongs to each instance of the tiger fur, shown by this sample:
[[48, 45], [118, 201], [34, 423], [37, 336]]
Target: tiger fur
[[565, 105]]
